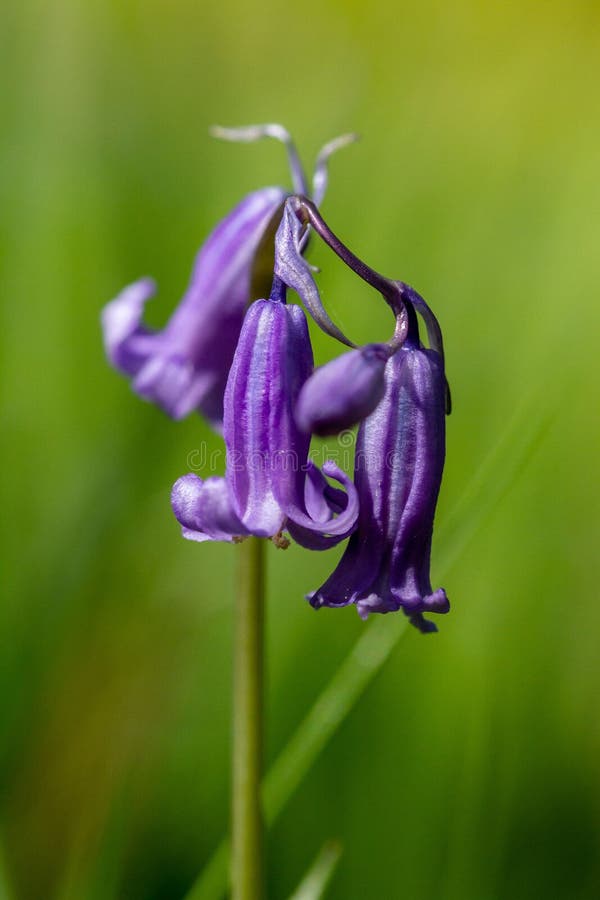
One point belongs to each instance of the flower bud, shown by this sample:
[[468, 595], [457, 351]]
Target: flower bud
[[343, 392]]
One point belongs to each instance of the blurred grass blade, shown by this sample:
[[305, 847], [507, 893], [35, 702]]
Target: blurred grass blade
[[490, 484], [212, 882], [315, 882], [97, 875], [493, 480], [6, 892], [331, 708]]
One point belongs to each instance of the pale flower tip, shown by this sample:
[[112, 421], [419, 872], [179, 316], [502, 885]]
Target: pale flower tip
[[250, 133], [184, 498], [223, 133], [344, 140]]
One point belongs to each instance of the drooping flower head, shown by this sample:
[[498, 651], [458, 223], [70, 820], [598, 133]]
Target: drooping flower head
[[184, 367], [249, 367], [399, 391], [398, 469]]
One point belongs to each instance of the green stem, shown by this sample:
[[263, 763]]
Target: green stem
[[247, 824]]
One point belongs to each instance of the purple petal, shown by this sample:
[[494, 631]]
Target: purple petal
[[204, 509], [343, 392], [355, 572], [122, 328], [265, 450], [434, 331], [321, 533], [185, 366], [423, 624], [173, 384], [320, 498], [419, 448], [398, 468]]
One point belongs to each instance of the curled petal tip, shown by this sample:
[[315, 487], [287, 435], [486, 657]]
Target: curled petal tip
[[122, 325], [204, 509], [437, 602], [185, 494]]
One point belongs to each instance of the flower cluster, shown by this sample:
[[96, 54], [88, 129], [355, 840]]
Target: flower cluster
[[246, 363]]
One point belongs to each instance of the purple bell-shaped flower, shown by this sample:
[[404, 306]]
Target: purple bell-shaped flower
[[270, 485], [398, 469]]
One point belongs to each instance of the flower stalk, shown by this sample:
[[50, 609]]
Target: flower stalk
[[247, 863]]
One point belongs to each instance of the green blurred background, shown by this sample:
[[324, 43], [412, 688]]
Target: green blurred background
[[469, 768]]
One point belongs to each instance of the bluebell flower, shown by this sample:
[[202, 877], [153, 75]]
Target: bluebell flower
[[184, 367], [399, 391], [270, 485], [399, 460]]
